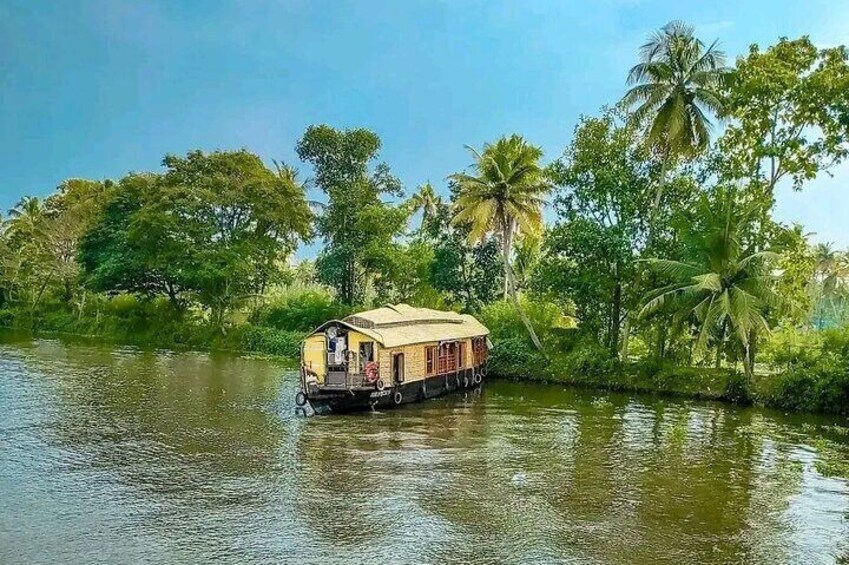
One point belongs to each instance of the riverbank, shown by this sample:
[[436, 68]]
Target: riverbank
[[816, 387], [280, 345], [813, 379], [125, 320]]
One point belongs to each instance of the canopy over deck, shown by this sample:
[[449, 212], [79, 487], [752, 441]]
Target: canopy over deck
[[398, 325]]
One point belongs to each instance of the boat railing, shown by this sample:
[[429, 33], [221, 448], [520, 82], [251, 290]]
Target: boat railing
[[348, 375]]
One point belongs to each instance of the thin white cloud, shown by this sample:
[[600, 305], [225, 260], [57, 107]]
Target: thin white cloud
[[712, 30]]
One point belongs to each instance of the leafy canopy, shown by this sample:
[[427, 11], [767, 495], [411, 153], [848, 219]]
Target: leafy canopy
[[788, 112], [216, 225], [357, 225]]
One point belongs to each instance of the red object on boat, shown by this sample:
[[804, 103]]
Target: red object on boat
[[372, 372]]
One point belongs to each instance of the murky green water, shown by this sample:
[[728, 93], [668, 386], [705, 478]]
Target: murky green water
[[122, 456]]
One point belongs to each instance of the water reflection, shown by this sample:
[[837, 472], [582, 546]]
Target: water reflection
[[122, 455]]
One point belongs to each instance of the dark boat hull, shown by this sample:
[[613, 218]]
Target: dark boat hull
[[324, 402]]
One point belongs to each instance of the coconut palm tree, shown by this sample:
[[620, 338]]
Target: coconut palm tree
[[724, 289], [831, 278], [503, 197], [27, 217], [828, 263], [675, 86], [526, 256], [427, 200]]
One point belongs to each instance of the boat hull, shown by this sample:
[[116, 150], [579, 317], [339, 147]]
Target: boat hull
[[337, 402]]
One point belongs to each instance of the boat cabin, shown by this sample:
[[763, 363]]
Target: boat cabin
[[393, 347]]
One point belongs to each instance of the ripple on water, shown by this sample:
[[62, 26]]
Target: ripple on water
[[124, 455]]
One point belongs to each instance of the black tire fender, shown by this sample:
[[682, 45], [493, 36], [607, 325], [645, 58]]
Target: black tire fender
[[478, 378], [379, 384], [398, 397], [301, 399]]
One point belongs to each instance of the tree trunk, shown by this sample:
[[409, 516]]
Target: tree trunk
[[626, 334], [37, 300], [506, 245], [661, 340], [747, 362], [721, 341], [172, 295], [352, 281], [749, 356], [658, 196], [82, 305], [505, 251], [615, 314]]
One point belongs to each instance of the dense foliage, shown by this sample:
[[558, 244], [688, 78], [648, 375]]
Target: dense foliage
[[662, 267]]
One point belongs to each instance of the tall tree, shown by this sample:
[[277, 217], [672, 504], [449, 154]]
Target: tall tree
[[75, 206], [527, 253], [239, 218], [505, 197], [27, 217], [28, 266], [676, 86], [357, 225], [603, 203], [217, 225], [724, 288], [117, 256], [830, 284], [797, 284], [467, 272], [788, 113]]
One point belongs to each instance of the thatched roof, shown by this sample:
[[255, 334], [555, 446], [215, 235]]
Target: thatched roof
[[400, 324]]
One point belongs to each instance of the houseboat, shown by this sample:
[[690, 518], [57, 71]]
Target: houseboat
[[390, 356]]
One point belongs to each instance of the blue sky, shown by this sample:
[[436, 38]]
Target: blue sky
[[99, 88]]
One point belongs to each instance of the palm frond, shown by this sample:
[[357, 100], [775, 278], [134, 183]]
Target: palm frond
[[674, 269]]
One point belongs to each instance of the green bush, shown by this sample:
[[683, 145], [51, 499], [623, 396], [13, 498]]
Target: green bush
[[589, 359], [302, 310], [698, 382], [815, 376], [788, 346], [814, 390], [516, 358], [6, 317], [124, 306], [835, 342], [504, 322], [271, 341]]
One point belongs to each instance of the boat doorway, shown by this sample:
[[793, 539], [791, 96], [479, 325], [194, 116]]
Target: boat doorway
[[398, 367]]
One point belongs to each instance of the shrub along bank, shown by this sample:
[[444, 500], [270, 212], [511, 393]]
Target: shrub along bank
[[275, 328], [812, 378], [593, 368]]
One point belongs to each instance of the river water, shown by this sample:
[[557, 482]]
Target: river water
[[124, 456]]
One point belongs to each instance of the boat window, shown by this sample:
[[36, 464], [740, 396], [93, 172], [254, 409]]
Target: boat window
[[430, 360], [367, 351], [447, 361], [366, 354], [480, 351], [461, 354]]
